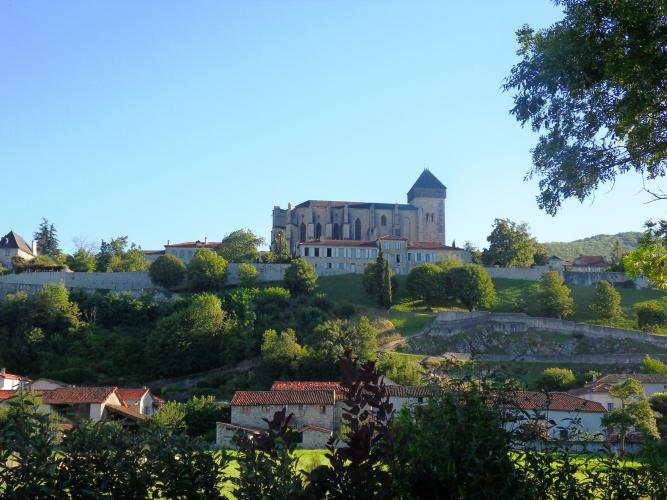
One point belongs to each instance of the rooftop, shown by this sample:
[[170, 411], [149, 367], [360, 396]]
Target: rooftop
[[77, 395], [286, 397], [280, 385], [556, 401], [14, 240], [589, 260], [132, 393], [603, 384], [194, 244]]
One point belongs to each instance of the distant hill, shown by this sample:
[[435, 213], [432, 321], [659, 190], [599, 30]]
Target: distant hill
[[601, 244]]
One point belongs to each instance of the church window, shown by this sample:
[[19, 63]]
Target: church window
[[357, 229], [302, 231], [336, 231], [318, 231], [383, 220]]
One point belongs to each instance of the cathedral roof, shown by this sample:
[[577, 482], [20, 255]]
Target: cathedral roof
[[354, 204], [428, 181]]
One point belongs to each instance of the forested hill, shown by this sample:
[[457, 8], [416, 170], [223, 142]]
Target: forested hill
[[601, 244]]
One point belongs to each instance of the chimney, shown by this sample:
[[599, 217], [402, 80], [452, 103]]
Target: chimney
[[205, 240], [33, 247]]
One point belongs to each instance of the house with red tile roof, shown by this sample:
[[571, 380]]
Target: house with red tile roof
[[590, 264], [12, 382], [94, 403], [598, 390], [140, 399], [184, 250]]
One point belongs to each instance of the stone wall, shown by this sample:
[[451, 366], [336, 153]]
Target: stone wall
[[575, 278], [517, 273], [253, 416], [595, 359], [451, 322]]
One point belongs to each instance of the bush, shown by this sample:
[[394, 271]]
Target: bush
[[247, 275], [345, 311], [300, 278], [425, 282], [554, 297], [167, 271], [557, 379], [207, 271], [472, 285], [651, 365], [650, 314]]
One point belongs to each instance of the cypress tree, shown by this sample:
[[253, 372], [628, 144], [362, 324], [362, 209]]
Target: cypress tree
[[386, 295]]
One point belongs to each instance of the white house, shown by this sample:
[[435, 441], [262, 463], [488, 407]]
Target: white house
[[11, 382], [140, 399], [599, 390], [569, 413], [95, 403]]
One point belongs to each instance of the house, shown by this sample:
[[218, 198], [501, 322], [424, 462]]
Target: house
[[409, 396], [352, 256], [186, 250], [599, 390], [559, 412], [13, 245], [46, 384], [11, 382], [139, 399], [590, 264], [95, 403], [555, 263]]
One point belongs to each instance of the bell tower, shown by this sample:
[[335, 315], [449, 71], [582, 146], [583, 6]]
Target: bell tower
[[428, 195]]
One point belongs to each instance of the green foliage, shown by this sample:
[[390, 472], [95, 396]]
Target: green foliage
[[592, 83], [386, 295], [240, 246], [401, 370], [510, 245], [651, 365], [281, 353], [81, 261], [280, 252], [114, 256], [650, 314], [554, 297], [300, 278], [370, 279], [475, 253], [39, 263], [332, 338], [600, 244], [248, 275], [167, 271], [607, 302], [426, 282], [195, 417], [472, 285], [207, 271], [557, 379], [650, 258], [46, 237]]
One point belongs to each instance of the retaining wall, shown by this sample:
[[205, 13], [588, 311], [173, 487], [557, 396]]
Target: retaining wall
[[518, 273], [451, 322], [599, 359]]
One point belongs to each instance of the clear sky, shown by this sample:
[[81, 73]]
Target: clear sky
[[178, 120]]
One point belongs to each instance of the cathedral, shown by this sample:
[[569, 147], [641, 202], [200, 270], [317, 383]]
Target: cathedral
[[422, 218]]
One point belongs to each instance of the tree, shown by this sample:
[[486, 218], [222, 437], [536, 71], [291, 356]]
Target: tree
[[248, 275], [46, 237], [331, 339], [51, 310], [167, 271], [426, 282], [372, 276], [81, 261], [475, 253], [280, 249], [557, 379], [651, 365], [606, 302], [540, 257], [132, 261], [281, 352], [207, 271], [240, 246], [510, 245], [595, 84], [300, 278], [554, 297], [472, 285], [635, 412], [617, 253], [651, 314], [650, 258], [386, 293], [114, 256]]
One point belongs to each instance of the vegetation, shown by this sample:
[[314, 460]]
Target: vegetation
[[372, 280], [557, 379], [279, 252], [472, 285], [600, 244], [46, 237], [651, 314], [650, 259], [115, 256], [248, 275], [300, 277], [239, 246], [207, 271], [651, 365], [426, 282], [511, 245], [81, 261], [554, 297], [607, 302], [167, 271]]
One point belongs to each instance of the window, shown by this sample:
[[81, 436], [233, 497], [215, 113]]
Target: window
[[398, 258], [398, 245], [317, 252], [610, 406], [7, 252], [341, 265], [306, 252], [387, 245], [419, 257], [409, 257], [383, 220], [323, 409], [353, 268], [318, 231], [329, 265], [265, 408], [329, 252], [245, 409], [363, 253], [420, 400], [357, 229], [341, 252], [302, 232]]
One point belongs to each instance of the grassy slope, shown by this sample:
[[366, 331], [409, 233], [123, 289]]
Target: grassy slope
[[601, 244]]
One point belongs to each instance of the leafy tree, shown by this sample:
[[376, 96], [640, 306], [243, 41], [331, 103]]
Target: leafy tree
[[475, 253], [81, 261], [650, 259], [114, 256], [541, 257], [281, 352], [51, 309], [280, 249], [372, 276], [554, 297], [207, 271], [650, 314], [132, 261], [595, 84], [248, 275], [167, 271], [606, 302], [240, 246], [171, 416], [652, 365], [635, 412], [426, 282], [557, 379], [300, 278], [330, 340], [46, 237], [510, 245], [472, 285], [617, 252]]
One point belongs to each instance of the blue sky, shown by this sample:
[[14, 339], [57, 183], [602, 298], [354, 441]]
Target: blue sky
[[179, 120]]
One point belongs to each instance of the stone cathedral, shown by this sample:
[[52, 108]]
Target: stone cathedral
[[421, 219]]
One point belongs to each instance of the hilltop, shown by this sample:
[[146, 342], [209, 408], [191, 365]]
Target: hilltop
[[601, 244]]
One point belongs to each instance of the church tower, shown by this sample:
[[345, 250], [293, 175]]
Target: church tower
[[428, 196]]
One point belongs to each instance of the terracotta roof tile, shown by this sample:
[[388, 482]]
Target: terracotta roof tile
[[11, 376], [198, 244], [590, 260], [404, 391], [300, 385], [557, 401], [254, 398], [77, 395], [429, 245], [125, 393], [126, 412], [603, 384], [392, 238], [6, 394]]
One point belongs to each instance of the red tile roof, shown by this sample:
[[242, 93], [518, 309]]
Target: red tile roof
[[340, 243], [429, 245], [254, 398], [603, 384], [126, 411], [77, 395], [392, 237], [132, 393], [282, 385], [6, 394], [198, 244], [153, 252], [590, 260], [406, 391], [557, 401], [11, 376]]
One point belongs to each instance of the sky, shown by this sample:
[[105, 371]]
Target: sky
[[166, 120]]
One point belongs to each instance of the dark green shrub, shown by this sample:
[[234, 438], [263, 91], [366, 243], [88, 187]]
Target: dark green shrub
[[650, 314], [167, 271]]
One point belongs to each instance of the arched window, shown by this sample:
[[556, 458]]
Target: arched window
[[336, 231], [302, 231], [357, 229], [318, 231], [383, 220]]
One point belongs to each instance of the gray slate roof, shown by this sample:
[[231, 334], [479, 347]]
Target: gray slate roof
[[13, 240]]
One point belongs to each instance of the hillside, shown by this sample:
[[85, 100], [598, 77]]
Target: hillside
[[601, 244]]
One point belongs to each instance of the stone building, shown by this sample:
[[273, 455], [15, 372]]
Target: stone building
[[184, 251], [13, 245], [352, 256], [421, 219]]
